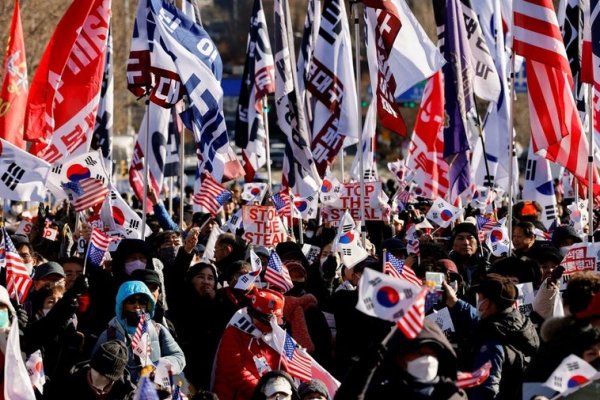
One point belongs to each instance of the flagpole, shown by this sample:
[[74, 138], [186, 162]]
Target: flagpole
[[181, 176], [146, 157], [488, 181], [171, 185], [363, 228], [590, 139], [511, 149], [265, 108]]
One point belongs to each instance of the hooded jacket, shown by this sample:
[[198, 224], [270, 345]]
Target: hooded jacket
[[5, 300], [508, 339], [378, 376], [162, 344]]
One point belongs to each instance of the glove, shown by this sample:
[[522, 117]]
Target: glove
[[329, 267], [80, 286], [22, 316]]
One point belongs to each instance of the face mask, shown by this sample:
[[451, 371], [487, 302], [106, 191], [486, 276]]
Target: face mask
[[423, 369], [132, 318], [134, 266], [479, 303], [167, 254], [99, 381], [16, 210], [322, 260], [309, 234], [45, 311], [29, 267], [4, 322]]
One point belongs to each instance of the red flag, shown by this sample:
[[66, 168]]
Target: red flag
[[64, 95], [554, 120], [14, 87], [426, 152]]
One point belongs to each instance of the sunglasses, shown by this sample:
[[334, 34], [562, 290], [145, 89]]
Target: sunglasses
[[136, 300]]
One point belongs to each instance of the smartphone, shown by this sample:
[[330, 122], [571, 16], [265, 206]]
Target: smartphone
[[436, 277]]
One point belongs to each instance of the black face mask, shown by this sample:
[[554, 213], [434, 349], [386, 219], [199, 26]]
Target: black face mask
[[132, 318], [596, 364], [168, 254]]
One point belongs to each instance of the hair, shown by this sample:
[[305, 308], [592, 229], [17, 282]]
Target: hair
[[258, 391], [581, 288], [234, 268], [527, 227], [71, 260], [162, 237], [226, 239]]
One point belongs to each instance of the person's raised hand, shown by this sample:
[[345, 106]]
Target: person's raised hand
[[451, 297], [191, 240]]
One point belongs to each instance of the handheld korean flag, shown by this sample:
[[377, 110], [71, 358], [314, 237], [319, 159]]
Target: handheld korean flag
[[246, 281], [571, 373], [331, 188], [498, 241], [347, 242], [22, 176], [443, 213], [254, 191], [392, 299]]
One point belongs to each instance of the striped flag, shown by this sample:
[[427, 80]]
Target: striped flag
[[398, 269], [277, 273], [18, 281], [485, 224], [392, 299], [86, 193], [146, 390], [140, 343], [556, 128], [99, 243], [211, 196], [470, 379], [295, 361], [283, 203]]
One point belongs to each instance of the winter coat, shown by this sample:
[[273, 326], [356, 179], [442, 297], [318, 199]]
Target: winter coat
[[377, 375], [293, 313], [507, 339], [236, 374], [162, 344], [76, 387]]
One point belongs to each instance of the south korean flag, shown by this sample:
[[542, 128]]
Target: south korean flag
[[22, 175]]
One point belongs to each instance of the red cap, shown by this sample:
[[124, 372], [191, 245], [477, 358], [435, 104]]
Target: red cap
[[267, 301]]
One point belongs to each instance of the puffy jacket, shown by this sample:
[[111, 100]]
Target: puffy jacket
[[236, 374], [508, 339], [162, 344]]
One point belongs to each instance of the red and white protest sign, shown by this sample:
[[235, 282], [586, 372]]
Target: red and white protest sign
[[25, 227], [376, 208], [262, 226], [581, 257]]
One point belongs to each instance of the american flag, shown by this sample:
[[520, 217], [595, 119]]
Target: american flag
[[146, 390], [412, 321], [282, 203], [297, 363], [212, 195], [86, 193], [140, 343], [277, 273], [396, 268], [18, 281], [554, 120], [485, 224], [470, 379], [99, 243]]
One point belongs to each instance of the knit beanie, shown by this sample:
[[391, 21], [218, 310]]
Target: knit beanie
[[465, 227], [315, 386], [110, 359]]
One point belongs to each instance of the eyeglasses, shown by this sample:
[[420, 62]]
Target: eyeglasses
[[136, 300]]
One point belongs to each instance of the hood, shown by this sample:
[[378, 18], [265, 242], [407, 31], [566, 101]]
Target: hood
[[511, 327], [127, 247], [128, 289], [4, 299]]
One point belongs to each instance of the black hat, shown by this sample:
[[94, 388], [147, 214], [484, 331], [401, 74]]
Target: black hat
[[314, 386], [465, 227], [46, 269], [110, 359], [564, 232], [147, 276], [498, 289]]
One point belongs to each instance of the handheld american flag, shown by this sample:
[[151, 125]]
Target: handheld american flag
[[396, 268], [277, 273], [86, 193], [212, 195], [99, 243], [18, 281], [283, 203], [140, 343], [470, 379], [485, 224], [296, 362]]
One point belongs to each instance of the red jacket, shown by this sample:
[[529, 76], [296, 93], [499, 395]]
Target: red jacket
[[236, 374]]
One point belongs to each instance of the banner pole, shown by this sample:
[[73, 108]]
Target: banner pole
[[363, 227], [488, 178], [146, 178], [590, 139], [511, 149], [181, 176], [265, 105]]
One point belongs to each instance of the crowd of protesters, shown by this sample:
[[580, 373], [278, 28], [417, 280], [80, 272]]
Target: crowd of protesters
[[84, 322]]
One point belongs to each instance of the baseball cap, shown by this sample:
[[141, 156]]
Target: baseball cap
[[48, 268], [277, 385]]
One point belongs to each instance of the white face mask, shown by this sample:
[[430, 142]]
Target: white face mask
[[134, 266], [424, 368], [29, 267], [322, 260], [45, 311], [16, 210]]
